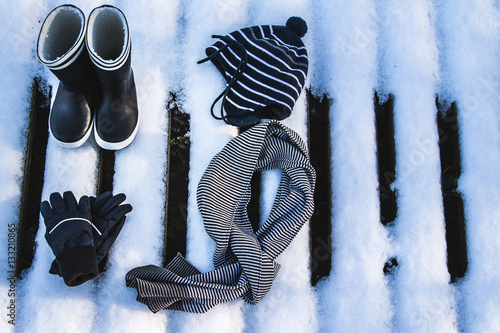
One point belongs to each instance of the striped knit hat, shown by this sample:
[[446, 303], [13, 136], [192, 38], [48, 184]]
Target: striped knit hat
[[265, 68]]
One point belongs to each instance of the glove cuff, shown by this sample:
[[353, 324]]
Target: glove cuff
[[77, 265]]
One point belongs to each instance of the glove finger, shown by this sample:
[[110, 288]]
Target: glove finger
[[57, 203], [54, 268], [109, 222], [118, 212], [109, 235], [116, 228], [69, 199], [113, 202], [46, 210], [84, 204], [100, 200], [105, 243]]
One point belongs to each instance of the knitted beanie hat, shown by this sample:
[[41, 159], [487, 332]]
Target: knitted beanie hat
[[265, 68]]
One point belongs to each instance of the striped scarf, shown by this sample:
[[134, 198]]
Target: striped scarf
[[244, 261]]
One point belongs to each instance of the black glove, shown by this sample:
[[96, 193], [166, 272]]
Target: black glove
[[108, 217], [69, 234]]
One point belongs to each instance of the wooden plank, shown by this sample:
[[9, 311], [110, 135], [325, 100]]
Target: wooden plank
[[386, 157], [34, 169], [177, 183], [319, 150], [451, 170]]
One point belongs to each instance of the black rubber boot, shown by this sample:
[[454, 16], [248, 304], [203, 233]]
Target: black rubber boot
[[61, 47], [108, 43]]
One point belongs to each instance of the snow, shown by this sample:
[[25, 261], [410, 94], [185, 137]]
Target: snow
[[471, 71], [409, 69], [413, 50], [356, 288]]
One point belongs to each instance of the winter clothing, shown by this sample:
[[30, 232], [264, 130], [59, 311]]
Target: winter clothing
[[62, 49], [69, 235], [81, 235], [108, 217], [109, 45], [265, 68], [101, 86], [244, 261]]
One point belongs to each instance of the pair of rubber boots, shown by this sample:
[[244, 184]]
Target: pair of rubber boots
[[92, 62]]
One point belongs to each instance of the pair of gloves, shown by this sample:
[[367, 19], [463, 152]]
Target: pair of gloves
[[80, 234]]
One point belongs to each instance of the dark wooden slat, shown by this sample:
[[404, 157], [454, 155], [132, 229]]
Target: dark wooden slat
[[449, 148], [319, 151], [253, 208], [386, 164], [34, 169], [386, 158], [177, 180], [105, 171]]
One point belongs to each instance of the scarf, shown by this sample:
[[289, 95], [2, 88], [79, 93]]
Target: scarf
[[244, 261]]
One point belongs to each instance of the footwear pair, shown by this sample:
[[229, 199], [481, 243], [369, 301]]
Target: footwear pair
[[92, 62]]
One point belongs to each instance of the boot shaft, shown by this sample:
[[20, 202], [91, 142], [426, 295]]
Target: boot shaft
[[61, 37], [61, 47], [79, 75], [109, 47], [108, 42]]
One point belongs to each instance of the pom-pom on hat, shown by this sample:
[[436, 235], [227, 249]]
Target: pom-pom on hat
[[265, 68]]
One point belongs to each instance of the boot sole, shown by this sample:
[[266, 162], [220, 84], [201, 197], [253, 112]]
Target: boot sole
[[115, 145]]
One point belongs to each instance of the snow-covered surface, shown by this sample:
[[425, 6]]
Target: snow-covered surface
[[413, 49]]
